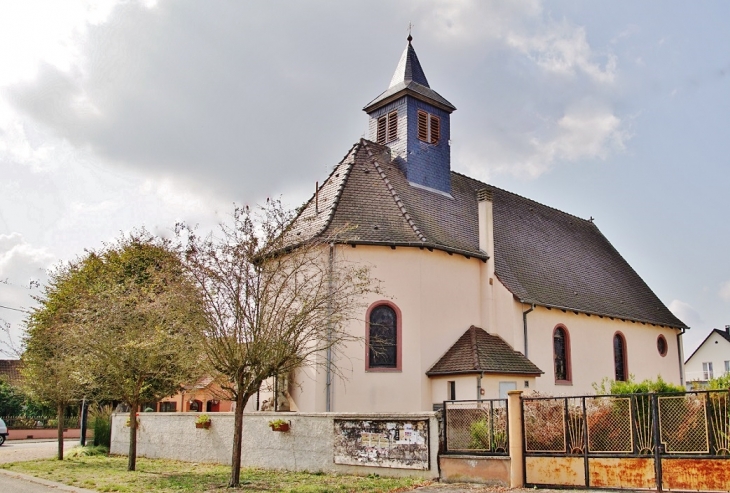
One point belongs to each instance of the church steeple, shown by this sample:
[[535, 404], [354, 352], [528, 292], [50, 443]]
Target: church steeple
[[414, 121]]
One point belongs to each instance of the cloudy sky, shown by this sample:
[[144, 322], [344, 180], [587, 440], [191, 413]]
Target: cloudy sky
[[120, 114]]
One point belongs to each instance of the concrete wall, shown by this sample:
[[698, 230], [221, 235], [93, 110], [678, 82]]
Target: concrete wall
[[308, 446]]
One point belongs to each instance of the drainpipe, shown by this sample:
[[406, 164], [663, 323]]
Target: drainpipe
[[680, 356], [331, 287], [479, 385], [524, 326]]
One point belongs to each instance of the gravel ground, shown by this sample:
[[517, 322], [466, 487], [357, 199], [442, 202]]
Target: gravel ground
[[20, 450]]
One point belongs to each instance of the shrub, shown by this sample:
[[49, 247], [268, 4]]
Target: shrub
[[80, 451], [100, 418], [658, 386]]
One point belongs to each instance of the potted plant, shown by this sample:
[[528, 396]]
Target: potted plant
[[279, 425], [203, 421]]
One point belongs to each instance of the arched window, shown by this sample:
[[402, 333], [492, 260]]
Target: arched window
[[619, 357], [383, 337], [561, 355]]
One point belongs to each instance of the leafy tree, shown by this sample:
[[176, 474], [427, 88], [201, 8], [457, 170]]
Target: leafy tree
[[271, 305], [11, 400], [121, 322], [52, 369], [139, 325]]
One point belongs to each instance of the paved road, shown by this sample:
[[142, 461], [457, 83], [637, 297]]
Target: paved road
[[19, 450]]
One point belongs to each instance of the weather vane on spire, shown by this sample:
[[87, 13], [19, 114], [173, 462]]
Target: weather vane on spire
[[410, 28]]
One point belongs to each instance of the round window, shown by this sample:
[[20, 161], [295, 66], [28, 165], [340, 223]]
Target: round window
[[661, 345]]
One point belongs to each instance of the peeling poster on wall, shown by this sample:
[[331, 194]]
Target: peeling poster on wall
[[396, 444]]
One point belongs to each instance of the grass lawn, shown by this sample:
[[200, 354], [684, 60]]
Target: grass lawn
[[103, 473]]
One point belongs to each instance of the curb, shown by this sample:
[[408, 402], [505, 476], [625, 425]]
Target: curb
[[45, 482]]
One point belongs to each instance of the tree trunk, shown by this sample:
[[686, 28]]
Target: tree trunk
[[241, 400], [59, 417], [132, 462]]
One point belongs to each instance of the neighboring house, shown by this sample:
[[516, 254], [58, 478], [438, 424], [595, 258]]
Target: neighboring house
[[486, 290], [203, 396], [710, 360], [10, 371]]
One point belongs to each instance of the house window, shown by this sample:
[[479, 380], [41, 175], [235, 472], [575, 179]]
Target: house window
[[383, 337], [429, 127], [387, 127], [727, 366], [561, 355], [168, 407], [707, 372], [619, 357], [451, 391], [661, 345]]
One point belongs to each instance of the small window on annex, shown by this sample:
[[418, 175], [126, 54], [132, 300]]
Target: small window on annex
[[619, 357], [561, 355], [382, 343]]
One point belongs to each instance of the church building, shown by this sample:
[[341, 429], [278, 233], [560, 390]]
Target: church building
[[485, 290]]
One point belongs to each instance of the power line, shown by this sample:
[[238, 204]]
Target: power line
[[14, 309]]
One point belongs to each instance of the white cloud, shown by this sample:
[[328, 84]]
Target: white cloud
[[557, 47], [584, 132], [686, 313], [725, 291], [563, 49]]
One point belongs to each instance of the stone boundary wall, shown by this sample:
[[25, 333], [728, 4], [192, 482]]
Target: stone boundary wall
[[43, 433], [309, 445]]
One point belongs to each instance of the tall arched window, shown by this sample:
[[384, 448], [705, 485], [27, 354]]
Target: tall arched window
[[561, 355], [383, 337], [619, 357]]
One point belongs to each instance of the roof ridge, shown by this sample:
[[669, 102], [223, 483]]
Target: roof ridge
[[488, 185], [474, 348], [336, 198], [393, 193]]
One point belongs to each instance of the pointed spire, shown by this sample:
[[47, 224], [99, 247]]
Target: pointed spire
[[409, 68]]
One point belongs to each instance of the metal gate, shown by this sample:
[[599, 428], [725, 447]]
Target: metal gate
[[675, 442], [478, 427]]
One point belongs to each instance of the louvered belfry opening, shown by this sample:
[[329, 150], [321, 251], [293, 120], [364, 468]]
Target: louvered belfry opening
[[392, 125], [429, 127], [387, 128], [382, 127], [435, 127]]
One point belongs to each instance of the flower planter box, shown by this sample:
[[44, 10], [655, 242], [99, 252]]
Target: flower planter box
[[203, 425], [281, 427]]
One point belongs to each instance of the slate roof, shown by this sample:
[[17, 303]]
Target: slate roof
[[409, 78], [542, 255], [10, 370], [477, 351]]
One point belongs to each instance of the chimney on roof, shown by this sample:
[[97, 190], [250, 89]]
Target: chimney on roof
[[486, 221], [727, 329]]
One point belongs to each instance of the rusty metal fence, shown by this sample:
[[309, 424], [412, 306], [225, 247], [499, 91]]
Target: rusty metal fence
[[675, 431], [478, 427]]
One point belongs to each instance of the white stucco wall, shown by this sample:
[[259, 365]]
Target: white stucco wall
[[715, 349], [440, 296], [591, 350], [308, 446]]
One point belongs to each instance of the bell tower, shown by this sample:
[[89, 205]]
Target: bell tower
[[414, 121]]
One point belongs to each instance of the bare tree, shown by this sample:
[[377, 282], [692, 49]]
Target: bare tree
[[271, 304]]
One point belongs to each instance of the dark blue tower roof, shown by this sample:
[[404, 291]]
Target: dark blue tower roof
[[410, 79]]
